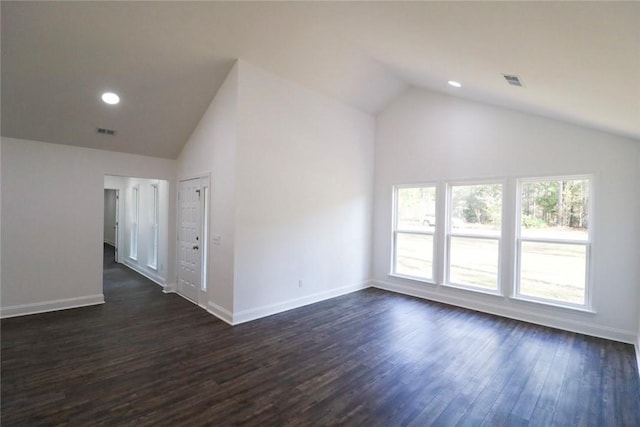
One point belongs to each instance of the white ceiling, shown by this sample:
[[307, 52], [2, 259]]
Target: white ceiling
[[580, 62]]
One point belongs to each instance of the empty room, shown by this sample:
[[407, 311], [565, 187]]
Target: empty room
[[320, 213]]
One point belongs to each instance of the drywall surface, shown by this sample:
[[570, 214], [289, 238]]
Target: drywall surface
[[304, 181], [211, 150], [291, 193], [430, 137], [110, 217], [53, 227]]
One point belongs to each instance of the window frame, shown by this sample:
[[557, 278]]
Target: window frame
[[155, 227], [395, 231], [134, 230], [206, 231], [448, 233], [587, 243]]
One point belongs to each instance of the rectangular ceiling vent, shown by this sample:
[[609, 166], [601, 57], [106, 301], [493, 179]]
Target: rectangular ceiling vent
[[513, 80], [104, 131]]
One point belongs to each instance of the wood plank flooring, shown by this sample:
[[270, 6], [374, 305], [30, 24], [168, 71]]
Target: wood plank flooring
[[371, 358]]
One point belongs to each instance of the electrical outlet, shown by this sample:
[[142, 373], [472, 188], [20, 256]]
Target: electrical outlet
[[299, 283], [216, 239]]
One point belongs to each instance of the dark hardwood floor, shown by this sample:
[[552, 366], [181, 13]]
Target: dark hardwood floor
[[370, 358]]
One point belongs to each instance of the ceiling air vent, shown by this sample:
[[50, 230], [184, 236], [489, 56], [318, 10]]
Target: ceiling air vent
[[106, 131], [513, 80]]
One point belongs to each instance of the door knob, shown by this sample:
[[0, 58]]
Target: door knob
[[195, 247]]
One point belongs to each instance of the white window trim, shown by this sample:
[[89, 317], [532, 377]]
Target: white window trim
[[155, 228], [395, 231], [135, 223], [206, 232], [448, 233], [588, 243]]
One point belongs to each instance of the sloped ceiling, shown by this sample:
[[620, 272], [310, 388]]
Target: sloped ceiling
[[580, 62]]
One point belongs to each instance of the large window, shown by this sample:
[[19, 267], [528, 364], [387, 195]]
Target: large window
[[551, 254], [155, 219], [553, 240], [474, 223], [413, 234], [134, 212]]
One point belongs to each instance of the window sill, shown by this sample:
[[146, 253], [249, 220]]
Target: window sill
[[474, 289], [554, 304], [413, 278]]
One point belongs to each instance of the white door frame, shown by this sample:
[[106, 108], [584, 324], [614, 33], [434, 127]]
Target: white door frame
[[117, 226], [117, 222]]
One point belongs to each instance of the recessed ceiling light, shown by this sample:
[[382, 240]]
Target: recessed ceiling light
[[110, 98], [454, 83]]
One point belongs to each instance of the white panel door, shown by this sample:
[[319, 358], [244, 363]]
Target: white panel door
[[189, 241]]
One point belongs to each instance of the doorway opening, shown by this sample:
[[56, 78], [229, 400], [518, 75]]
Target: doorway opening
[[136, 227], [111, 207]]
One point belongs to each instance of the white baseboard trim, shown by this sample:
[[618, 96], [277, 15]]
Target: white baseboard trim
[[154, 278], [268, 310], [170, 288], [220, 312], [46, 306], [520, 313]]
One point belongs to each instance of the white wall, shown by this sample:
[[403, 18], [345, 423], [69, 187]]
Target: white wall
[[426, 136], [211, 149], [304, 184], [110, 217], [52, 229], [291, 192]]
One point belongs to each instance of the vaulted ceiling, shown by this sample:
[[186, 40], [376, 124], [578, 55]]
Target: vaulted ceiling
[[579, 61]]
